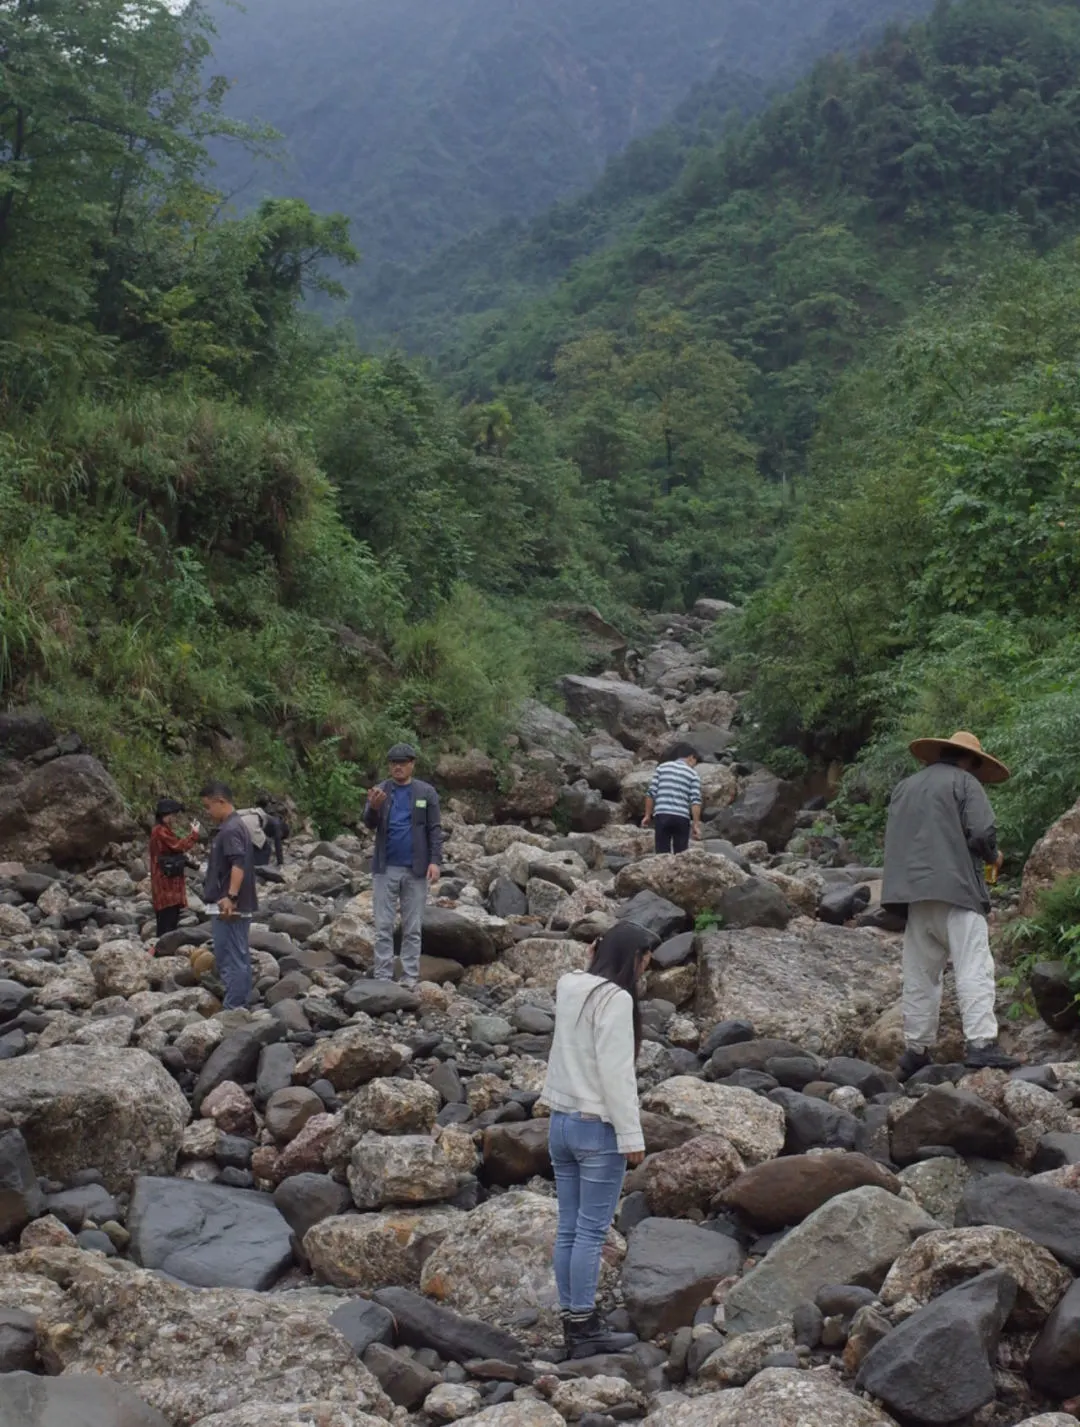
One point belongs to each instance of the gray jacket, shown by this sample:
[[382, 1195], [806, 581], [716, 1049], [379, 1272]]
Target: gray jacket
[[940, 832], [427, 833]]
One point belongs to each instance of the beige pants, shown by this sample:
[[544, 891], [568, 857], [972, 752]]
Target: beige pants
[[937, 932]]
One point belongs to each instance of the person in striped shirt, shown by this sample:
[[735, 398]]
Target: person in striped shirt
[[673, 803]]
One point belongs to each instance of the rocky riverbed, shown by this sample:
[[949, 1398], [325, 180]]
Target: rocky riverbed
[[341, 1213]]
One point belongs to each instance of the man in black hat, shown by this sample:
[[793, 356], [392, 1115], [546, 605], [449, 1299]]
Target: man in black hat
[[404, 815]]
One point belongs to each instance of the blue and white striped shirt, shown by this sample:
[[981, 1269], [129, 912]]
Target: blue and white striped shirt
[[675, 789]]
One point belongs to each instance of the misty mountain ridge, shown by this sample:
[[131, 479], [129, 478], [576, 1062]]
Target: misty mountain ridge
[[428, 120]]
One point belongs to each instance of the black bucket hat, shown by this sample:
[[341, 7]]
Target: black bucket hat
[[167, 806]]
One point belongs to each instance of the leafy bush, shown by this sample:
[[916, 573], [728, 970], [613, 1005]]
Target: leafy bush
[[1051, 933]]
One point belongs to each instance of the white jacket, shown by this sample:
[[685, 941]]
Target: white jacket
[[591, 1066]]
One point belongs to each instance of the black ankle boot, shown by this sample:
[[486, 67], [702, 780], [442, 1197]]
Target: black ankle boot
[[586, 1337], [989, 1057], [910, 1062]]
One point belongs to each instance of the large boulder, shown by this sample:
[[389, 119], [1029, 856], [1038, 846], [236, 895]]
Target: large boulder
[[21, 1198], [546, 730], [938, 1365], [815, 985], [753, 1125], [29, 1401], [1039, 1212], [422, 1324], [670, 1267], [788, 1190], [678, 1181], [79, 1107], [946, 1257], [457, 938], [1055, 855], [956, 1119], [696, 881], [1055, 1358], [777, 1397], [367, 1252], [854, 1238], [65, 812], [496, 1261], [207, 1234], [627, 712], [765, 811], [193, 1352], [400, 1169]]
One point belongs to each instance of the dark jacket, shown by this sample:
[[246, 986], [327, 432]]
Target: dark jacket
[[940, 833], [427, 834], [232, 847]]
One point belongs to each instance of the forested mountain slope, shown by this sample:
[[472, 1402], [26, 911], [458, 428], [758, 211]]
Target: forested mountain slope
[[424, 120]]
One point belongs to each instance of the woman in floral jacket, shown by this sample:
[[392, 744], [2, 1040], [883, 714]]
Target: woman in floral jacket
[[168, 889]]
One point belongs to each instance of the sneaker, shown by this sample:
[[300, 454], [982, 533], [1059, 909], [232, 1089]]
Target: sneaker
[[586, 1337], [989, 1057], [410, 983], [911, 1061]]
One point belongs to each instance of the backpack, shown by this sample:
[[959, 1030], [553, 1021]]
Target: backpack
[[254, 819]]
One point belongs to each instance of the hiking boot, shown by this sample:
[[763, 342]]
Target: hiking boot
[[911, 1061], [586, 1337], [989, 1057]]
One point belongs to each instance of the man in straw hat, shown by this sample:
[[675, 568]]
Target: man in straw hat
[[940, 834]]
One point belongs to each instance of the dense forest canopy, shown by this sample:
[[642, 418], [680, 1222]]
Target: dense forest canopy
[[823, 364]]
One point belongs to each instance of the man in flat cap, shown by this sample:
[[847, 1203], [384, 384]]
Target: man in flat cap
[[940, 834], [404, 815]]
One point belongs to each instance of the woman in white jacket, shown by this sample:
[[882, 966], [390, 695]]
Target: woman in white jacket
[[591, 1090]]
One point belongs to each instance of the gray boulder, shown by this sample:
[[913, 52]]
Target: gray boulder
[[18, 1342], [963, 1122], [765, 811], [66, 812], [208, 1235], [20, 1195], [361, 1323], [1054, 1365], [755, 903], [655, 913], [420, 1323], [83, 1401], [447, 934], [543, 729], [670, 1267], [852, 1239], [938, 1365], [626, 711], [304, 1200], [1039, 1212]]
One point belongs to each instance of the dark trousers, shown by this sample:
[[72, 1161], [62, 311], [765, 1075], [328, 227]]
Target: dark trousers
[[233, 958], [168, 919], [672, 833]]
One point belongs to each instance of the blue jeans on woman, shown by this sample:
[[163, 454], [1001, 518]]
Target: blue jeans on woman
[[589, 1173]]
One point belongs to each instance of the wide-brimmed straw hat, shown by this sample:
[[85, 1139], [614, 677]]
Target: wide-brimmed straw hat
[[990, 770]]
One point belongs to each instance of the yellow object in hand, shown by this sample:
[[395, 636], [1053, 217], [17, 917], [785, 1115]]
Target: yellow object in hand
[[991, 873]]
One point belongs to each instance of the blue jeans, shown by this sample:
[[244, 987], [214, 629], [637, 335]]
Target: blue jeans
[[233, 959], [589, 1173]]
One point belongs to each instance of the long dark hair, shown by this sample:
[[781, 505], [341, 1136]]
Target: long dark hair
[[616, 959]]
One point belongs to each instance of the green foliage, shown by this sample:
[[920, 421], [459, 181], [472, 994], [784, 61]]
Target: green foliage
[[1051, 933], [929, 580], [708, 921]]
